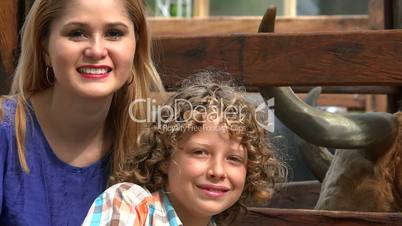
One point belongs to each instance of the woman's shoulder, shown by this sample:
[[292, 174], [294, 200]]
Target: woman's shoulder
[[8, 105]]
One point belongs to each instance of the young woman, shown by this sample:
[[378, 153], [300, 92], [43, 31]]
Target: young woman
[[66, 127], [195, 166]]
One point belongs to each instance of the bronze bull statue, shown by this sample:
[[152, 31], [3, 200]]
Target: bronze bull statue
[[365, 174]]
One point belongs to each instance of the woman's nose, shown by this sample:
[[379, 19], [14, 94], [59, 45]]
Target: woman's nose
[[96, 49]]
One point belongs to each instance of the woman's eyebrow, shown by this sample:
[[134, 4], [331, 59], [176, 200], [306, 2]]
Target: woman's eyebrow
[[117, 24], [77, 24], [85, 25]]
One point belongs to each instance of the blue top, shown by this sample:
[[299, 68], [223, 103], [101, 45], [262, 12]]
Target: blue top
[[53, 193]]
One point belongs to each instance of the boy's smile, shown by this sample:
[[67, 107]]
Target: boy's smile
[[207, 174]]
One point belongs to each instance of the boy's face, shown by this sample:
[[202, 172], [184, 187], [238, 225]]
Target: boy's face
[[207, 174]]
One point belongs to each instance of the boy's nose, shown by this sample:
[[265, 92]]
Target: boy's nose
[[96, 49], [216, 170]]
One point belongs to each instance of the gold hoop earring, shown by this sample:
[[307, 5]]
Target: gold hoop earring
[[47, 76]]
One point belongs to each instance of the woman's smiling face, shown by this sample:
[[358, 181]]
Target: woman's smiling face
[[91, 48]]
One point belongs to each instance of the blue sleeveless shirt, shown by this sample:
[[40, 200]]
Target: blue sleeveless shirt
[[53, 193]]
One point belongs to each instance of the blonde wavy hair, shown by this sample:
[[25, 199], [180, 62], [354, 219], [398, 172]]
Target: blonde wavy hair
[[30, 77], [145, 166]]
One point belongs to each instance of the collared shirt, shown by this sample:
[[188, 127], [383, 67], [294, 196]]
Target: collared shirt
[[129, 204]]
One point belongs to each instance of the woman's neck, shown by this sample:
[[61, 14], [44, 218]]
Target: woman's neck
[[73, 126]]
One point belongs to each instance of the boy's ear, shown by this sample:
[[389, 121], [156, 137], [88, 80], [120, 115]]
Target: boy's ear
[[165, 166]]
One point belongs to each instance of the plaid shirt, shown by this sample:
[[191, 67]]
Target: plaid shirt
[[129, 204]]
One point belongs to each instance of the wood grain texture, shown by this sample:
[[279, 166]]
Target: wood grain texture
[[8, 33], [288, 196], [350, 89], [376, 14], [333, 58], [8, 41], [230, 25], [288, 217], [4, 79]]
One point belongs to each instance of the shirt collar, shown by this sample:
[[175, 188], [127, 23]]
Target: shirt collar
[[174, 220]]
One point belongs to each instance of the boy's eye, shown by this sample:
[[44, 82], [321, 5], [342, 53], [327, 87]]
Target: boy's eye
[[199, 152], [114, 34], [236, 159]]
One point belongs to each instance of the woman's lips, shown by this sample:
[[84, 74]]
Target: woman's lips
[[94, 71]]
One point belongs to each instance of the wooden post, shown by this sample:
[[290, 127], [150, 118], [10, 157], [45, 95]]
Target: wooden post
[[290, 8], [376, 14], [8, 41], [201, 8], [376, 11], [393, 20], [397, 24]]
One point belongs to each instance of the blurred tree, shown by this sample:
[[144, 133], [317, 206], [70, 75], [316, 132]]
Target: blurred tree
[[242, 7], [258, 7], [343, 7]]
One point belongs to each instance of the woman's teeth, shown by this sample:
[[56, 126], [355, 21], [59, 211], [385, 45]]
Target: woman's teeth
[[95, 71]]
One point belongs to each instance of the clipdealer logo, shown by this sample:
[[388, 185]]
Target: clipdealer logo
[[264, 112]]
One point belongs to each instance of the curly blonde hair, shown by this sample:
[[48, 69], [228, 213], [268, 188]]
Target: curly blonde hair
[[157, 143]]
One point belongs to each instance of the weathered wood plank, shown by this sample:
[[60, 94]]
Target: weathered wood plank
[[226, 25], [350, 89], [289, 217], [334, 59], [4, 81], [288, 196], [8, 32], [8, 41], [376, 14]]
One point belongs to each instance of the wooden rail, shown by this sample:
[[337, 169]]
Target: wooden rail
[[288, 217], [230, 25], [334, 59]]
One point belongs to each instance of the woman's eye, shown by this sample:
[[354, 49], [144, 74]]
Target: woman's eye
[[77, 34], [114, 34]]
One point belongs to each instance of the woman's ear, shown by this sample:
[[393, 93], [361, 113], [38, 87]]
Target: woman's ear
[[45, 53], [46, 58]]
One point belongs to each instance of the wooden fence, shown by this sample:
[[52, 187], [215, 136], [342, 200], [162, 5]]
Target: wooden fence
[[361, 61]]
